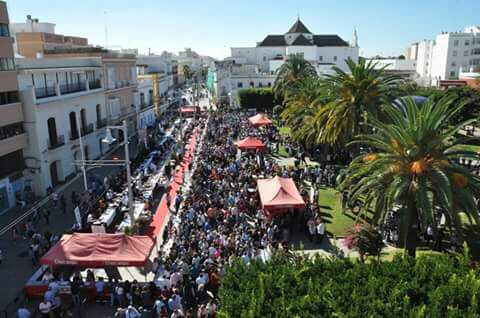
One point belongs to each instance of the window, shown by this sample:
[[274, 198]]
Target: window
[[252, 84], [454, 53], [8, 97], [4, 30], [7, 64], [475, 52], [465, 53], [269, 84], [454, 64], [320, 58], [335, 58], [264, 58], [467, 42], [452, 74], [11, 130], [260, 84], [455, 43], [239, 84]]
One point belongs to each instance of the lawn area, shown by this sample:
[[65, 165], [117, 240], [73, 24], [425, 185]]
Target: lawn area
[[284, 131], [330, 203]]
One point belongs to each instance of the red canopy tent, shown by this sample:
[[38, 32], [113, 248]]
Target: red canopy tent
[[259, 120], [99, 250], [279, 194], [250, 143]]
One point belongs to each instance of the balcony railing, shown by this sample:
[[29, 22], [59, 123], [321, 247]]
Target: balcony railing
[[56, 143], [101, 123], [94, 84], [72, 88], [44, 92], [86, 130]]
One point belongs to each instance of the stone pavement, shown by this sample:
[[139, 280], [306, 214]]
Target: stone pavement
[[17, 267]]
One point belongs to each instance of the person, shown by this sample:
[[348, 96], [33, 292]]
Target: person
[[168, 200], [75, 290], [23, 312], [159, 308], [45, 307], [100, 288], [46, 215], [132, 312], [311, 228], [178, 201], [429, 234], [55, 199], [63, 204], [211, 308], [320, 231]]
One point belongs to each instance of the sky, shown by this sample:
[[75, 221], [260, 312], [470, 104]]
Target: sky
[[211, 27]]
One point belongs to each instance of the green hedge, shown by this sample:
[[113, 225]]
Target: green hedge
[[260, 98], [430, 286]]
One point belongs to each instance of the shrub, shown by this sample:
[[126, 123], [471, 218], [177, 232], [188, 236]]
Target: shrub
[[429, 286], [260, 98], [365, 239]]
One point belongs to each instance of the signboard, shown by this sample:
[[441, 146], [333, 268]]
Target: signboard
[[78, 217]]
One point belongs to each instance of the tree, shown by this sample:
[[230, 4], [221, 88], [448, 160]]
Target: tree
[[290, 73], [260, 98], [301, 107], [351, 99], [365, 239], [412, 168], [187, 72]]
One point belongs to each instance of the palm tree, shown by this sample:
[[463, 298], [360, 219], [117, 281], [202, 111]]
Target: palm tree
[[301, 107], [351, 99], [289, 74], [412, 169], [187, 73]]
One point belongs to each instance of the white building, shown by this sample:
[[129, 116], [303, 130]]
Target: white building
[[63, 99], [401, 67], [257, 66], [444, 57]]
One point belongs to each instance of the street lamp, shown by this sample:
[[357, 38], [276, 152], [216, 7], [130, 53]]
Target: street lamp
[[109, 139]]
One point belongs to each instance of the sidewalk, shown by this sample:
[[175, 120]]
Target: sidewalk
[[16, 267]]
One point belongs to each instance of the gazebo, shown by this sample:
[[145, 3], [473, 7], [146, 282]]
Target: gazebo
[[259, 120], [250, 143], [278, 195]]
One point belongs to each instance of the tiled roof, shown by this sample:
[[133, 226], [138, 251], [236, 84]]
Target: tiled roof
[[273, 40], [298, 27], [301, 40], [328, 40]]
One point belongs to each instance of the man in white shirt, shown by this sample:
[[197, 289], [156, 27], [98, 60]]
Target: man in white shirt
[[320, 231]]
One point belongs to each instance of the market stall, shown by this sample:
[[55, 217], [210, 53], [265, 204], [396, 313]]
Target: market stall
[[250, 143], [259, 120], [278, 195]]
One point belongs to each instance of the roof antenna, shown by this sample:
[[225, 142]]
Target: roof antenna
[[298, 14], [106, 29]]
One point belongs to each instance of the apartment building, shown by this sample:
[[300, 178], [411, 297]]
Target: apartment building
[[63, 101], [33, 38], [119, 82], [444, 58], [13, 138]]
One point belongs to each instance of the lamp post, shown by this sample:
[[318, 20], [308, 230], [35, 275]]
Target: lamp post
[[82, 152], [109, 140]]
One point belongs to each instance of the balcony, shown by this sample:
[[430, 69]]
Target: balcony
[[95, 84], [101, 123], [54, 144], [86, 130], [12, 144], [44, 92], [72, 88]]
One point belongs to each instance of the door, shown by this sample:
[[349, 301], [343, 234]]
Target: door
[[54, 173], [4, 204], [52, 131], [73, 125]]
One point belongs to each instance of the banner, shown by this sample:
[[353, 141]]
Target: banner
[[78, 217]]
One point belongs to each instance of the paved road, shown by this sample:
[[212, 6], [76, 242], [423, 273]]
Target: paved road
[[16, 267]]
